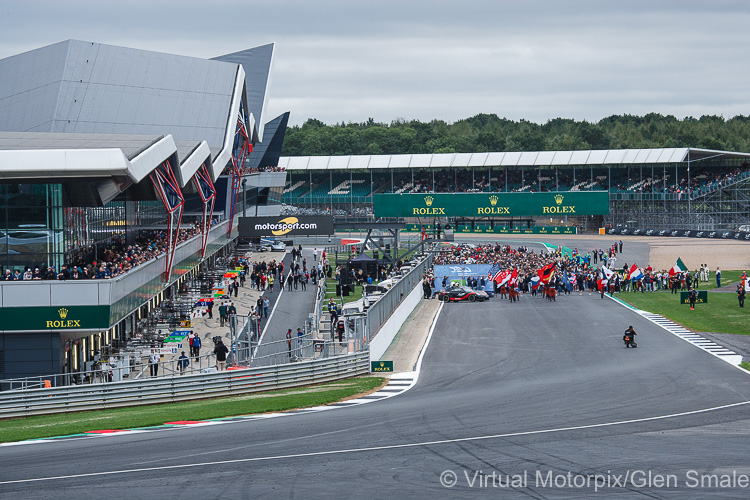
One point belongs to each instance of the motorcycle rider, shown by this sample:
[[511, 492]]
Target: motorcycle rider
[[629, 336]]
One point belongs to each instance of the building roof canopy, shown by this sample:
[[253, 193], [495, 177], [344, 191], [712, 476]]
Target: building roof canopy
[[508, 159]]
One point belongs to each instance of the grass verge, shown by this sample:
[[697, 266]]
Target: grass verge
[[20, 429], [721, 314], [745, 365], [331, 292]]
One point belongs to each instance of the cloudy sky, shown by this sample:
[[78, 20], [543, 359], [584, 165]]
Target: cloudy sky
[[351, 60]]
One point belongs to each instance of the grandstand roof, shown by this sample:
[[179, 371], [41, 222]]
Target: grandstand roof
[[506, 159]]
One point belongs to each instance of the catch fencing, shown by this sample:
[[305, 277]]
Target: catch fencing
[[381, 310], [181, 388]]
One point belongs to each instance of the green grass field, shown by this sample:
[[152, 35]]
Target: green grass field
[[19, 429], [721, 314], [331, 292]]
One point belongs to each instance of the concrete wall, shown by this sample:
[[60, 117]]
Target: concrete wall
[[388, 332]]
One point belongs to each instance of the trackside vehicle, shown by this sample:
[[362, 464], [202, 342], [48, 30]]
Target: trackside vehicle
[[461, 293]]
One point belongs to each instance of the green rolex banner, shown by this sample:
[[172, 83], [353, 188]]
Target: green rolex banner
[[554, 204], [58, 318]]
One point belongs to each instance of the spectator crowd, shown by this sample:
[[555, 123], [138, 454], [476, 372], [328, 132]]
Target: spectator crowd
[[111, 261], [574, 270]]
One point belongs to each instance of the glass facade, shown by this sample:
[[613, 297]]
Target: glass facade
[[31, 226], [89, 230], [37, 230], [260, 196]]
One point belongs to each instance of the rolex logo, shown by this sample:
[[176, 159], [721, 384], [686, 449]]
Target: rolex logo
[[382, 364], [428, 200], [493, 200], [63, 313], [559, 199]]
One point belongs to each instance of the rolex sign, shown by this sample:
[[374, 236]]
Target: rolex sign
[[492, 204]]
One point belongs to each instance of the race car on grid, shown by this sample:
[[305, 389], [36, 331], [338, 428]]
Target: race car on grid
[[459, 293]]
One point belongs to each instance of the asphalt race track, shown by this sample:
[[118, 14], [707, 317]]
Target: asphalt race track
[[542, 392]]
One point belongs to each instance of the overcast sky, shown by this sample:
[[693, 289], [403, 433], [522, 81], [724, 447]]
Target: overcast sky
[[351, 60]]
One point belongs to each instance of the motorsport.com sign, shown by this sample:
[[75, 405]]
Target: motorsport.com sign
[[297, 225]]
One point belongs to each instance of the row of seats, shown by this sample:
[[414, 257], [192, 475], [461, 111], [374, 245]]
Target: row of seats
[[361, 184]]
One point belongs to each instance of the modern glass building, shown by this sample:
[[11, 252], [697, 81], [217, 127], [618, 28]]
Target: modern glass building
[[128, 159]]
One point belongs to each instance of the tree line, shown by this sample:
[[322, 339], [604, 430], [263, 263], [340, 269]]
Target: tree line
[[488, 132]]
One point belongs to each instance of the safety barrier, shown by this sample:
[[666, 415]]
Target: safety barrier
[[381, 310], [181, 388]]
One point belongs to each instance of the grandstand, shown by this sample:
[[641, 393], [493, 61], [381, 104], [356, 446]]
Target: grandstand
[[658, 188]]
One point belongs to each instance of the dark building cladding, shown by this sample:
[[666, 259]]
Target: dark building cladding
[[267, 154]]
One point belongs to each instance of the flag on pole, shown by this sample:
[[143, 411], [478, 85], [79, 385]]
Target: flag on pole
[[546, 273], [535, 282], [513, 279], [636, 273], [494, 271], [679, 267], [606, 273], [504, 278]]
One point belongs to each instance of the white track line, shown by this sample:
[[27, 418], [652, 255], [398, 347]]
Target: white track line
[[379, 448], [714, 349]]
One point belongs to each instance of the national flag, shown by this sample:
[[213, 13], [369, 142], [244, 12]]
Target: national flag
[[513, 279], [679, 267], [505, 278], [566, 281], [546, 273], [635, 273], [535, 282], [573, 280], [494, 271], [606, 273]]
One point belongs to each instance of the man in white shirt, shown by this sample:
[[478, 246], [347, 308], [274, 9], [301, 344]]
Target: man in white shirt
[[153, 362]]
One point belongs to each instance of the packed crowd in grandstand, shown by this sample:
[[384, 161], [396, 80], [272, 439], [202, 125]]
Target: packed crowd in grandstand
[[106, 262], [252, 170], [325, 186], [339, 212]]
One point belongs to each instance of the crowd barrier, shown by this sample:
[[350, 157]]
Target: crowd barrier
[[55, 400]]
